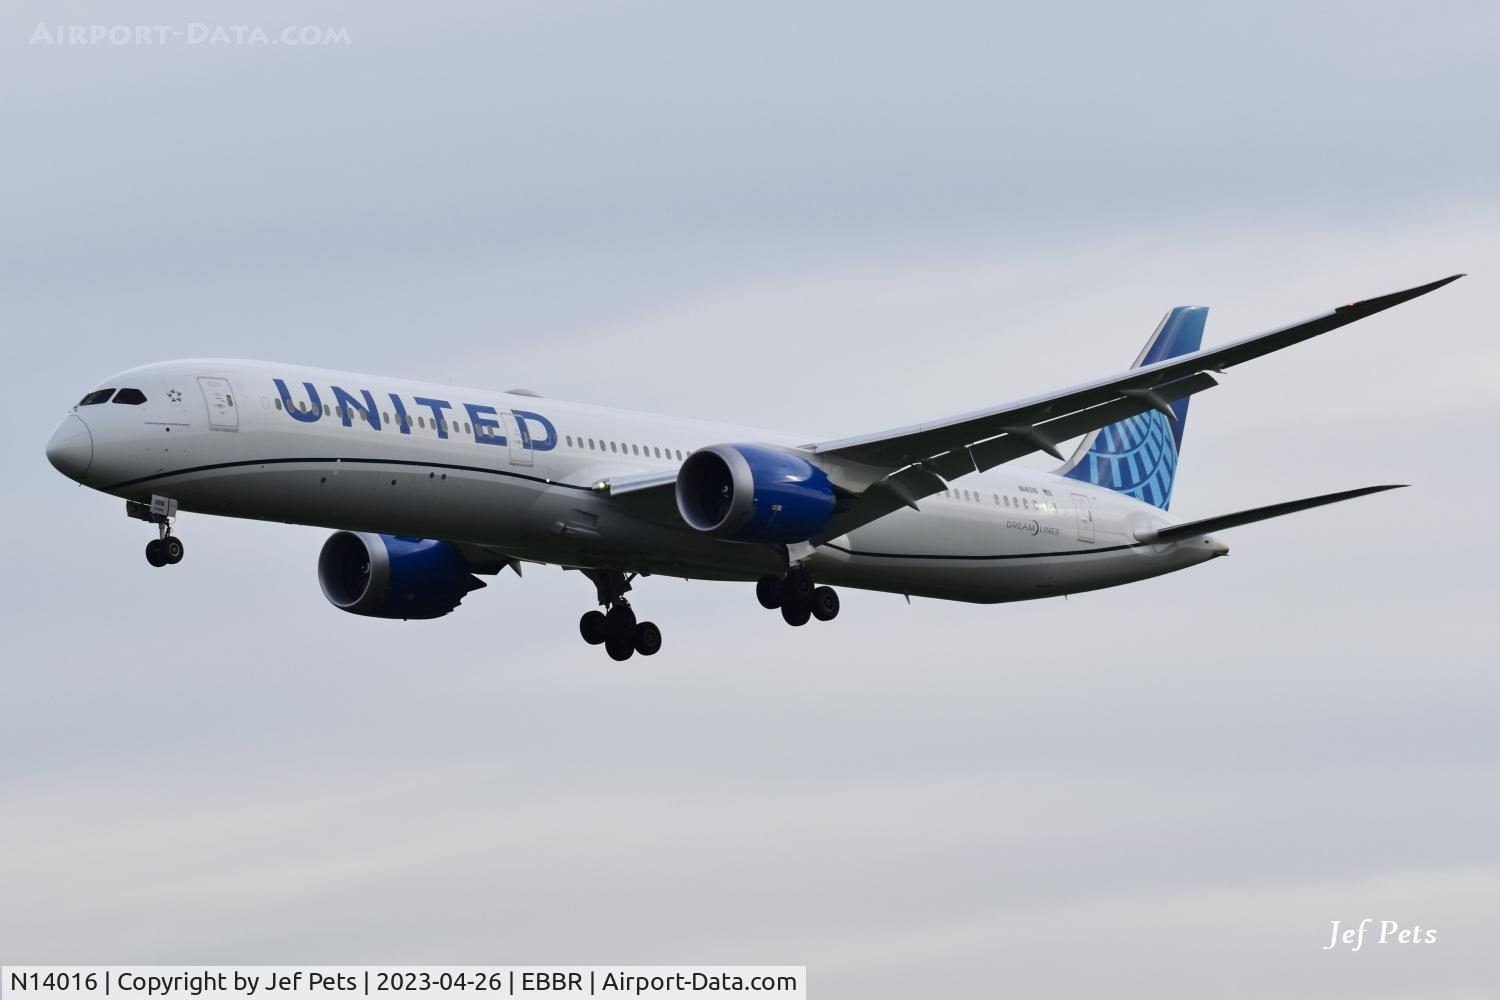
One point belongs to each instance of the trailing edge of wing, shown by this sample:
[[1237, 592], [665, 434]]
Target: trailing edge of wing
[[906, 486], [1192, 529]]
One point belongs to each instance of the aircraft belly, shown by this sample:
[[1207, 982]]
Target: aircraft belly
[[543, 522], [981, 557]]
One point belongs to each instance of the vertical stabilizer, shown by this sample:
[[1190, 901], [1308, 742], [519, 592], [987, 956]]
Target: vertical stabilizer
[[1138, 456]]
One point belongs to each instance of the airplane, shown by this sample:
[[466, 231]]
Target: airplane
[[429, 487]]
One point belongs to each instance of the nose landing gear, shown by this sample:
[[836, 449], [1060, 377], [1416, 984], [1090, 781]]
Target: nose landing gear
[[798, 597], [617, 629], [166, 549]]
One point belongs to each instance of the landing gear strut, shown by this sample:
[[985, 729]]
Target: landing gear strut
[[798, 597], [166, 549], [616, 629]]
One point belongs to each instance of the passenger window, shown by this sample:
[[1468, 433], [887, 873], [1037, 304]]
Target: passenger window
[[385, 417], [95, 397], [326, 411], [422, 423], [636, 448], [466, 428], [612, 447], [277, 402]]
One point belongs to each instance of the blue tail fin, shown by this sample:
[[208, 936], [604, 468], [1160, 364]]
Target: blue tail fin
[[1138, 457]]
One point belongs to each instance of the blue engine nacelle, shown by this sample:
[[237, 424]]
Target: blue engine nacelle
[[387, 576], [752, 493]]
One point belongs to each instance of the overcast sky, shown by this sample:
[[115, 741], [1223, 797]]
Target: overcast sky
[[831, 218]]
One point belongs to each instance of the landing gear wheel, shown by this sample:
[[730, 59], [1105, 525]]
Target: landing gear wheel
[[154, 554], [619, 649], [797, 589], [591, 626], [171, 549], [825, 604], [768, 590], [647, 638], [794, 616], [619, 624]]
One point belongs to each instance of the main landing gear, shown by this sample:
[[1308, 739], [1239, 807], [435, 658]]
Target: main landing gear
[[166, 548], [798, 597], [617, 629]]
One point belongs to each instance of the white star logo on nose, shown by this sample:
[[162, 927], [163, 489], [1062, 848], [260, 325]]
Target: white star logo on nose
[[174, 395]]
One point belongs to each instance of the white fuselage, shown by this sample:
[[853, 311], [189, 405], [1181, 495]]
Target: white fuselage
[[516, 473]]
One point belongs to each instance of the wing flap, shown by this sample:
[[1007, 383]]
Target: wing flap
[[906, 486], [998, 451]]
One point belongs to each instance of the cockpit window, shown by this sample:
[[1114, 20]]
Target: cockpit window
[[133, 397], [97, 396]]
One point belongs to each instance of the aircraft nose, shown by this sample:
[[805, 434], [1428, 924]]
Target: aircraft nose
[[71, 449]]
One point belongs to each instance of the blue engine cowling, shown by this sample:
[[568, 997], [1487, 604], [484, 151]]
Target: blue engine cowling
[[387, 576], [752, 493]]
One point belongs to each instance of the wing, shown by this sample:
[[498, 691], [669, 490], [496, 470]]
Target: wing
[[879, 473], [888, 470]]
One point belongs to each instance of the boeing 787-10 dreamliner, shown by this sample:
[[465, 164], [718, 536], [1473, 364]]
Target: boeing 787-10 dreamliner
[[430, 487]]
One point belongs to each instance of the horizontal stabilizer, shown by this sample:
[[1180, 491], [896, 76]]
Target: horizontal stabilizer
[[1192, 529]]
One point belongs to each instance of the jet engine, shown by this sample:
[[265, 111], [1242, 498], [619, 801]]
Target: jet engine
[[387, 576], [753, 493]]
